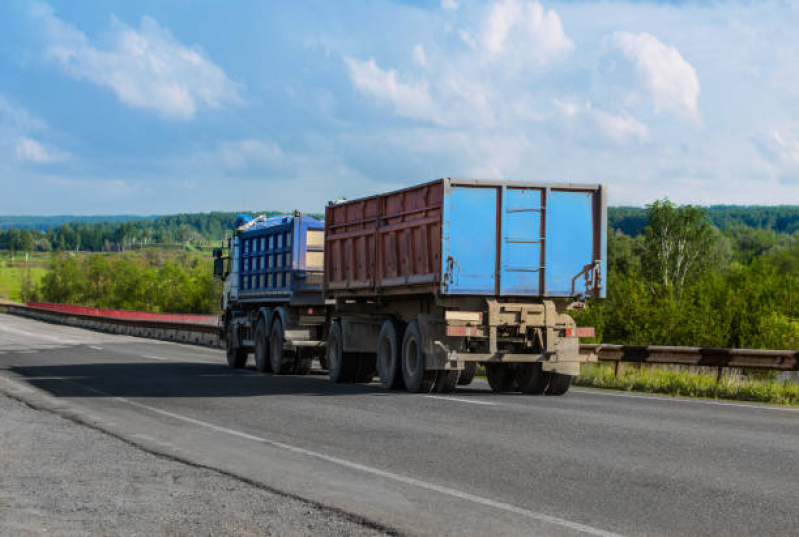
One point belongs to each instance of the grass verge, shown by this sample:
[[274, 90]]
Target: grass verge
[[689, 383]]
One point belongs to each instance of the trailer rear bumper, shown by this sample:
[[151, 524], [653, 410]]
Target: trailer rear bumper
[[567, 364]]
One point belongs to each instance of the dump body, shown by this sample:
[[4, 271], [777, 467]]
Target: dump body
[[469, 237], [273, 302], [280, 259]]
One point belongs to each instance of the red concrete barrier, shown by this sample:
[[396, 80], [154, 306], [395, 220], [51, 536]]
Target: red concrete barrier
[[126, 314]]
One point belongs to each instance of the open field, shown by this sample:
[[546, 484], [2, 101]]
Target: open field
[[11, 274]]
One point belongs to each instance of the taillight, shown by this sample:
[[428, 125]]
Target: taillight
[[580, 331]]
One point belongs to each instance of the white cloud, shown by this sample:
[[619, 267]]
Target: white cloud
[[22, 134], [525, 31], [451, 5], [781, 152], [672, 81], [146, 67], [242, 153], [31, 150], [411, 100], [600, 124]]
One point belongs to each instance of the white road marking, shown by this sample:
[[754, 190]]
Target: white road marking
[[155, 358], [95, 347], [459, 400], [541, 517], [31, 351], [666, 398]]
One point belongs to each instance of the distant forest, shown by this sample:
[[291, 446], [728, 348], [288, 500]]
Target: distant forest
[[125, 232]]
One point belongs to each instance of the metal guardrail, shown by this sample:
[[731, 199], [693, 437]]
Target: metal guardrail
[[782, 360], [777, 360]]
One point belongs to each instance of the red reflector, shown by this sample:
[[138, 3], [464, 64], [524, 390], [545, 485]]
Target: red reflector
[[462, 331], [310, 311], [586, 331]]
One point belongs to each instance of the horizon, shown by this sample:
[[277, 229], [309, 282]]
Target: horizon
[[149, 108]]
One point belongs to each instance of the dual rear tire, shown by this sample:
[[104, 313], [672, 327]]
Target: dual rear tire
[[528, 378], [347, 366]]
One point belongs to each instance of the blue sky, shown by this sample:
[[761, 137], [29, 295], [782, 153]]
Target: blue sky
[[159, 107]]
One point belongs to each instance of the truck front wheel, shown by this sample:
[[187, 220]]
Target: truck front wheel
[[418, 379], [236, 356]]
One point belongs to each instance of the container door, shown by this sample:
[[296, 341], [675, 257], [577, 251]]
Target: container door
[[570, 241], [522, 241], [470, 241]]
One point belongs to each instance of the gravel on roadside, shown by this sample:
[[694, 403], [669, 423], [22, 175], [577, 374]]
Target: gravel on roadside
[[60, 477]]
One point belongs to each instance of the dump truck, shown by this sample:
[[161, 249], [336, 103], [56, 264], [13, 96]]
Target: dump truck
[[272, 304], [428, 281], [418, 286]]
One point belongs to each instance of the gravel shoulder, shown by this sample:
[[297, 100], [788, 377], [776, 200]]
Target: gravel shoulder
[[63, 478]]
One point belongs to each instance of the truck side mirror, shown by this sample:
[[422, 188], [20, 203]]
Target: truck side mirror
[[219, 268]]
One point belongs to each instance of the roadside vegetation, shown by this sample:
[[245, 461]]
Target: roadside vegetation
[[159, 280], [763, 387]]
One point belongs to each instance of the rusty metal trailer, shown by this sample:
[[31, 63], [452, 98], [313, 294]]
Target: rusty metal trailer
[[430, 280]]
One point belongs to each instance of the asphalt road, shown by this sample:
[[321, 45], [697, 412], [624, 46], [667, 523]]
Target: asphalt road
[[472, 462]]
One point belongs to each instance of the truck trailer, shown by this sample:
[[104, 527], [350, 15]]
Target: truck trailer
[[421, 284]]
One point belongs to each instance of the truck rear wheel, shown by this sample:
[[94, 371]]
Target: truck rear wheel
[[418, 379], [501, 377], [532, 379], [446, 381], [389, 363], [281, 362], [559, 384], [262, 362], [467, 375], [236, 356], [341, 366]]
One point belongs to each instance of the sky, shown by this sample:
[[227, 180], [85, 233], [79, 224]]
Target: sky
[[153, 107]]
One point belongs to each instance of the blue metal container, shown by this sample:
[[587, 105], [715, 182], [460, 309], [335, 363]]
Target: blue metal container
[[280, 258], [507, 238]]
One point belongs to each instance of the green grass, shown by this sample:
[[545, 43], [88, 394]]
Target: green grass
[[11, 279], [689, 383]]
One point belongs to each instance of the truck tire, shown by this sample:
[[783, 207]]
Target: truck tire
[[446, 381], [417, 378], [532, 379], [303, 362], [559, 384], [389, 354], [262, 362], [341, 366], [236, 356], [366, 367], [501, 377], [281, 362], [467, 375]]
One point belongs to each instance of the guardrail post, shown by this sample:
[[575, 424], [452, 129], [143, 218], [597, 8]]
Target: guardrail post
[[616, 369], [719, 370]]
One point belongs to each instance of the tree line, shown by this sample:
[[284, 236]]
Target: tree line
[[683, 281]]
